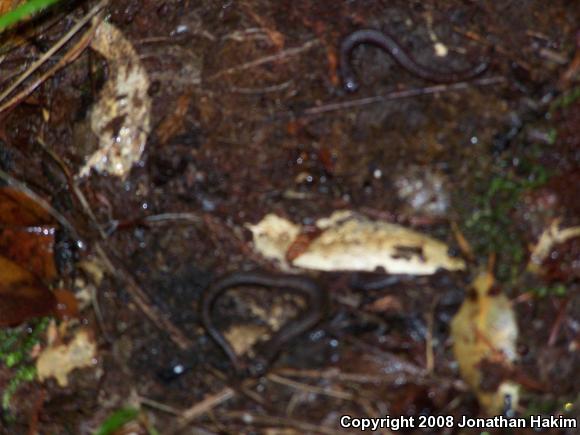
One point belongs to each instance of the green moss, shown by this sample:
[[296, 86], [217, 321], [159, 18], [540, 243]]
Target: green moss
[[117, 420], [552, 136], [25, 373], [488, 216], [120, 418], [15, 347], [558, 290]]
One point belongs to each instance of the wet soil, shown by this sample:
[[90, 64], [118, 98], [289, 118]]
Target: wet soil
[[249, 117]]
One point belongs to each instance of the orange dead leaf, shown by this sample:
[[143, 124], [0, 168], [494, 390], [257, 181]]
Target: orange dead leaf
[[464, 245], [18, 209], [301, 243], [173, 123], [386, 304], [484, 332], [31, 247], [67, 306], [8, 5], [22, 295], [332, 60]]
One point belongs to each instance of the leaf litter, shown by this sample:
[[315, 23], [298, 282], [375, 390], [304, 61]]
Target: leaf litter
[[121, 117]]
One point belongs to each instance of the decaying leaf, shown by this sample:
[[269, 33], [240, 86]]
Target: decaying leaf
[[26, 262], [22, 295], [272, 317], [385, 304], [349, 241], [31, 247], [243, 337], [67, 306], [550, 238], [484, 330], [58, 361], [121, 117], [27, 233], [8, 5], [18, 209], [273, 236]]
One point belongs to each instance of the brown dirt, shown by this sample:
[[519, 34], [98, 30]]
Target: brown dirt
[[244, 125]]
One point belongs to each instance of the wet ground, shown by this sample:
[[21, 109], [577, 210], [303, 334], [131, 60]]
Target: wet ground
[[249, 117]]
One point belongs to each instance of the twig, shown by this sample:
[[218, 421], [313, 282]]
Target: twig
[[396, 95], [429, 350], [69, 57], [251, 33], [282, 55], [205, 406], [310, 388], [558, 322], [80, 197], [174, 217], [244, 388], [154, 220], [210, 402], [464, 245], [11, 181], [400, 364], [264, 90], [158, 406], [73, 186], [52, 50], [361, 378]]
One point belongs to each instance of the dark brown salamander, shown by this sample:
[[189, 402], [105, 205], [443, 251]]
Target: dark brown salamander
[[316, 301], [392, 47]]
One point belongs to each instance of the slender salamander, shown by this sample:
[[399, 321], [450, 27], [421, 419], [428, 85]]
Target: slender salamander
[[393, 48], [316, 302]]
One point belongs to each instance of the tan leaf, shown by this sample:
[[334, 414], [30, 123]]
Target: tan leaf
[[484, 330], [550, 238], [348, 241], [58, 361], [121, 117]]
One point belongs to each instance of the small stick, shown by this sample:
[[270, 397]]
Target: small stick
[[69, 57], [310, 388], [557, 326], [282, 55], [359, 378], [398, 95], [52, 51], [158, 406], [18, 185], [205, 406]]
